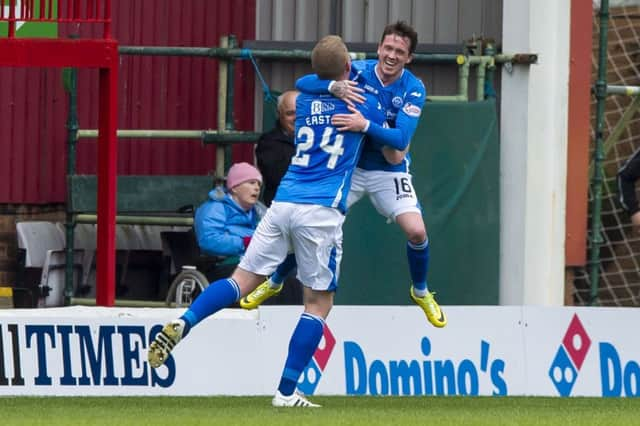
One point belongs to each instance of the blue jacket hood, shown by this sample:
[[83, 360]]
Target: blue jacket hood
[[221, 224]]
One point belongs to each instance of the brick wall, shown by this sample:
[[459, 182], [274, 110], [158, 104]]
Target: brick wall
[[9, 215]]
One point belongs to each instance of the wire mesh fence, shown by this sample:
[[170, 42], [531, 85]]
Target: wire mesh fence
[[620, 252]]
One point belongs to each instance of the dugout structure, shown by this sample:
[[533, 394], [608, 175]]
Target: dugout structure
[[99, 53]]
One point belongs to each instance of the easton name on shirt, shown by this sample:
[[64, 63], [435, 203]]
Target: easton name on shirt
[[318, 120]]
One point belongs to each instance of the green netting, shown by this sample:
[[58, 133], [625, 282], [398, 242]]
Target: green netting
[[456, 159]]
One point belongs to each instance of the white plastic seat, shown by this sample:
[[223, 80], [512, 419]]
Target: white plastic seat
[[85, 238], [36, 237], [52, 282], [44, 246]]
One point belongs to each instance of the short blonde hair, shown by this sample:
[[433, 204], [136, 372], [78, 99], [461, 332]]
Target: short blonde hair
[[329, 57]]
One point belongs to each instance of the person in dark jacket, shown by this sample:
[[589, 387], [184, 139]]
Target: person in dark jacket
[[273, 154], [627, 177], [276, 147]]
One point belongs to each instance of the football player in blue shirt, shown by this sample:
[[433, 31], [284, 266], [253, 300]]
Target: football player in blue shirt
[[305, 217], [383, 171]]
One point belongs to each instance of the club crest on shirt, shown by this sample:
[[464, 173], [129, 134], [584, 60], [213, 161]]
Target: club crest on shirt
[[396, 101]]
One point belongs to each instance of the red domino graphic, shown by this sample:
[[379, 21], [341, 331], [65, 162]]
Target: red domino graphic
[[576, 341], [323, 352]]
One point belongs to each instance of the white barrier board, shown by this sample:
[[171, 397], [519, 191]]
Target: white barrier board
[[373, 350]]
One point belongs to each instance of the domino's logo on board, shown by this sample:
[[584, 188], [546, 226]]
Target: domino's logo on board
[[312, 373], [570, 356]]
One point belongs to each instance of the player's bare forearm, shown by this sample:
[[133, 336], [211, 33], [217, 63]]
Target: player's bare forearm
[[393, 156]]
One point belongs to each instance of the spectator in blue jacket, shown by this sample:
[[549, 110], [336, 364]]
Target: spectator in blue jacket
[[225, 222]]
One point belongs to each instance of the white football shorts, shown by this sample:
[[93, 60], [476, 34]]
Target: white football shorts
[[312, 232], [391, 193]]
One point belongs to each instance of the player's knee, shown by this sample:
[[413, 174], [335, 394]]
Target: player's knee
[[247, 281], [413, 226], [416, 232], [318, 302], [417, 236]]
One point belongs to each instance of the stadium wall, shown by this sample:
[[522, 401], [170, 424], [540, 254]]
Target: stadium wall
[[492, 351], [154, 93]]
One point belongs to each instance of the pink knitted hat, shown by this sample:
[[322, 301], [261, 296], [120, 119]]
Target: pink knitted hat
[[240, 173]]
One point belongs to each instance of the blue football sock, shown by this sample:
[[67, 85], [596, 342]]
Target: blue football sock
[[302, 346], [283, 270], [218, 295], [418, 257]]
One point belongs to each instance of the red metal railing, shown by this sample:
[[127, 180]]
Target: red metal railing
[[67, 11], [89, 53]]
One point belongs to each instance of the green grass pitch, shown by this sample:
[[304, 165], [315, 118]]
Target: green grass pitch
[[394, 411]]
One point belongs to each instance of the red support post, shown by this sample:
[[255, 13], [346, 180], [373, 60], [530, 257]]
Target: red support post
[[107, 182], [578, 134], [107, 26], [12, 21]]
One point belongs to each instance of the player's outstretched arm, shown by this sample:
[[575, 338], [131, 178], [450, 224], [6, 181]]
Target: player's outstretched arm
[[347, 90], [355, 122]]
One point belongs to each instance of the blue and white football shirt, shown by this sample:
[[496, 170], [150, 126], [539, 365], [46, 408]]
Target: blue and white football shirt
[[320, 171], [402, 100]]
